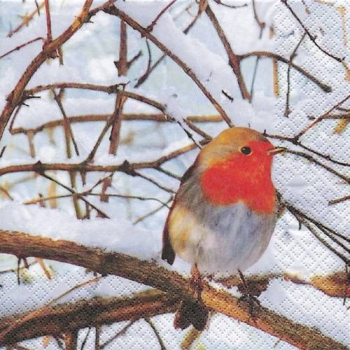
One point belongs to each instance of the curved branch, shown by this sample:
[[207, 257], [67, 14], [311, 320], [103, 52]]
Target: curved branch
[[151, 274], [265, 54]]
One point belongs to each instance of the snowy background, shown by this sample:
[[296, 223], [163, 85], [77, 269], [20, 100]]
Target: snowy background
[[137, 206]]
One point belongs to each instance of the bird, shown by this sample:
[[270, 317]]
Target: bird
[[223, 214]]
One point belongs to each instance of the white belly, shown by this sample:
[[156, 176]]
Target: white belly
[[225, 240]]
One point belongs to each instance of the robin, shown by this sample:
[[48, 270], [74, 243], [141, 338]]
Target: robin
[[224, 212]]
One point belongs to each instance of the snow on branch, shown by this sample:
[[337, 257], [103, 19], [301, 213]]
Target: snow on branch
[[151, 274]]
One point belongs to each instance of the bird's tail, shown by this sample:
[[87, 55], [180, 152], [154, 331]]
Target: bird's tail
[[195, 313]]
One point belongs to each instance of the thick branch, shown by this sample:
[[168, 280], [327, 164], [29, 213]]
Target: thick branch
[[58, 319], [149, 273]]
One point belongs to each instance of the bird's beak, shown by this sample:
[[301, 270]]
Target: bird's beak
[[276, 150]]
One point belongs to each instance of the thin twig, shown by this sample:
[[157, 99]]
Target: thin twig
[[234, 59], [265, 54], [319, 119], [27, 19], [113, 10], [66, 125], [292, 56], [312, 38], [100, 212], [257, 20], [17, 48], [154, 22], [15, 98], [297, 142], [317, 162], [159, 338]]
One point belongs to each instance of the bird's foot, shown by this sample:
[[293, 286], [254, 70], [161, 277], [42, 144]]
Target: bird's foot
[[253, 304], [250, 295], [196, 282]]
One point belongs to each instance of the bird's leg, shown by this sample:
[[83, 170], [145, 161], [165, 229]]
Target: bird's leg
[[196, 281], [248, 296]]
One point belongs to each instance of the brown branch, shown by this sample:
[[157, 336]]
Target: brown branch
[[297, 142], [234, 59], [219, 2], [265, 54], [114, 89], [317, 228], [156, 117], [17, 48], [117, 335], [48, 21], [335, 285], [75, 194], [116, 122], [55, 320], [292, 56], [154, 22], [150, 68], [257, 20], [122, 63], [156, 333], [14, 99], [317, 162], [126, 167], [339, 200], [323, 116], [149, 273], [113, 10], [68, 132], [88, 193]]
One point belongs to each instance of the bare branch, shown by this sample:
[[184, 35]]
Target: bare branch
[[113, 10], [55, 320], [14, 99], [312, 38]]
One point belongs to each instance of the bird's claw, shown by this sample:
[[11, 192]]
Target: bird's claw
[[253, 303]]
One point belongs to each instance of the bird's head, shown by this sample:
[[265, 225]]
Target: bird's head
[[238, 145], [237, 165]]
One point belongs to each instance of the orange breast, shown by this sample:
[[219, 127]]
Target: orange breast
[[237, 179]]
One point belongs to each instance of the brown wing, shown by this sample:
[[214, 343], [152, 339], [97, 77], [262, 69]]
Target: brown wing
[[168, 253]]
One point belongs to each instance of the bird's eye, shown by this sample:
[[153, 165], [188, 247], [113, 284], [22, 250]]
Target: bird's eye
[[246, 150]]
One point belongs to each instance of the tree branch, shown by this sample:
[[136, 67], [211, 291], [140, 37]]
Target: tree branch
[[151, 274], [14, 99], [70, 317], [113, 10]]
